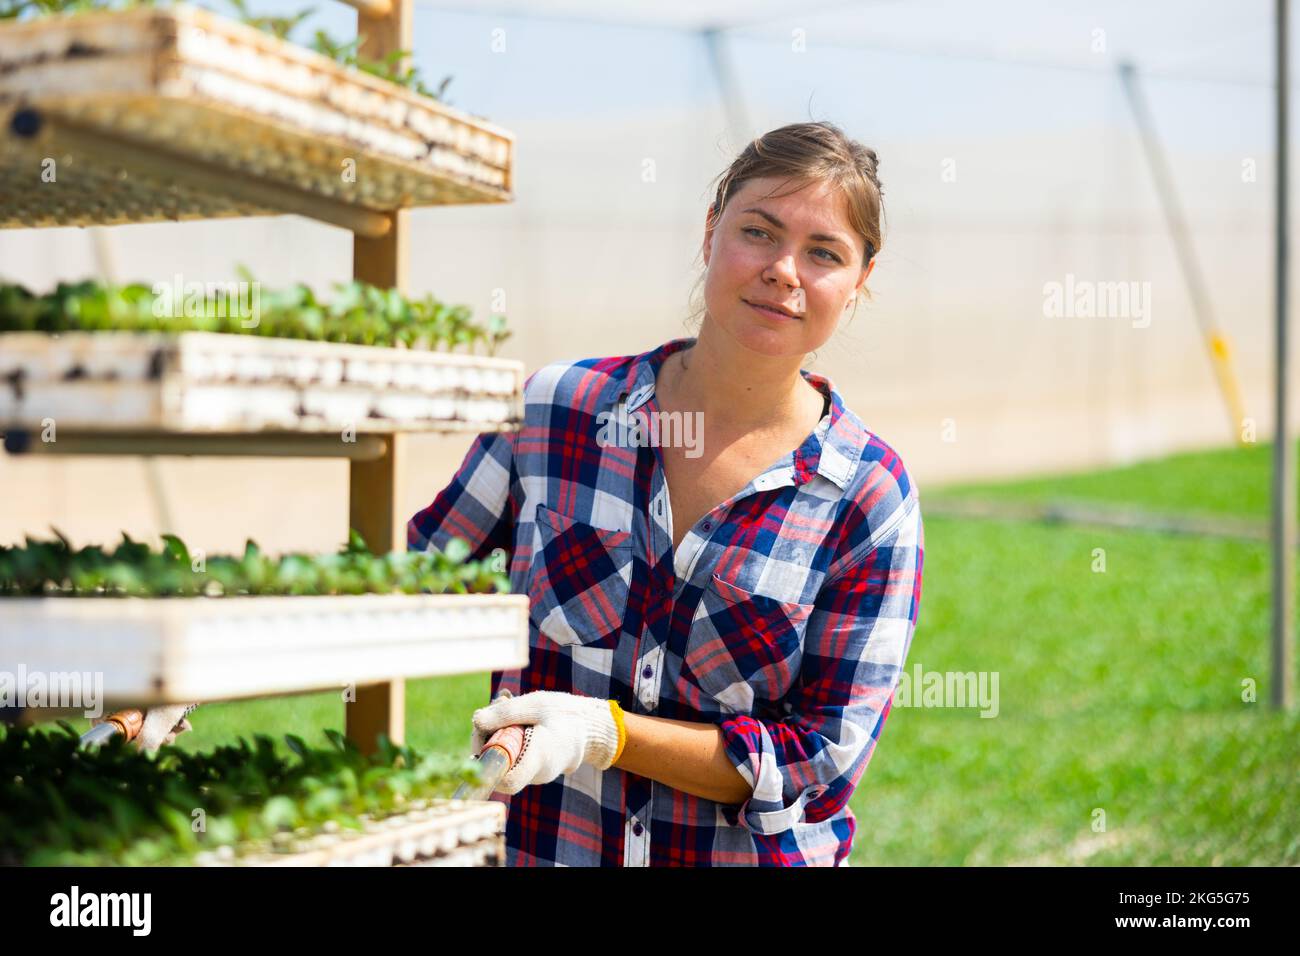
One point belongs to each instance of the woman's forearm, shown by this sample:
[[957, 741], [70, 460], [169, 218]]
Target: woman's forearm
[[686, 756]]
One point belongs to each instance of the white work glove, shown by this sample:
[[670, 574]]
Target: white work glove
[[162, 725], [564, 732]]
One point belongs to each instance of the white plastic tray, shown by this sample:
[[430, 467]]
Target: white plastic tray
[[178, 650], [448, 833], [211, 383]]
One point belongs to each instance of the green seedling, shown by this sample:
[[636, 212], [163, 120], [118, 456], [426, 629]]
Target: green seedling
[[359, 313], [133, 569], [117, 805]]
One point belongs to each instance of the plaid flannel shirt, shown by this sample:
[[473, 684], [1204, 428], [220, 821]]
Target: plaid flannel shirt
[[784, 618]]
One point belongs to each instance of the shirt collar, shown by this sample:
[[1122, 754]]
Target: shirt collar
[[832, 450]]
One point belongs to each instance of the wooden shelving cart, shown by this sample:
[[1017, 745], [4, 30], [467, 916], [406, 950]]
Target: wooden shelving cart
[[162, 114]]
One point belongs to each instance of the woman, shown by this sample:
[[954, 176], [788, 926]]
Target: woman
[[716, 630]]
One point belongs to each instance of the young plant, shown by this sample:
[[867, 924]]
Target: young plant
[[359, 313], [116, 805], [133, 569]]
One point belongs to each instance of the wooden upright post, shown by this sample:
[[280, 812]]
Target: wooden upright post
[[383, 261], [373, 493], [374, 500]]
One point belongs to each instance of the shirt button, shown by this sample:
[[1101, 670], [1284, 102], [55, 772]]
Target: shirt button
[[648, 672], [637, 829], [707, 526]]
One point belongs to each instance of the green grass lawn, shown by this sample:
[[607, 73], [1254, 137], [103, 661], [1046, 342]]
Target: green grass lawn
[[1119, 691], [437, 715], [1222, 482]]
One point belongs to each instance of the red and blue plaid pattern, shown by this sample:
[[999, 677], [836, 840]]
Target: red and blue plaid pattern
[[784, 618]]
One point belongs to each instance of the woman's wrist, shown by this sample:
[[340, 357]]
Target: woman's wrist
[[617, 713]]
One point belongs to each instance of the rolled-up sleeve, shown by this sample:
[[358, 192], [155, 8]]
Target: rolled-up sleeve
[[804, 767]]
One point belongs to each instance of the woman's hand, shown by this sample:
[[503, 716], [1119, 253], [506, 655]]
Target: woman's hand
[[162, 725], [564, 732]]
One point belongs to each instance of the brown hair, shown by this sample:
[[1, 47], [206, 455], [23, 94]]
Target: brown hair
[[807, 153]]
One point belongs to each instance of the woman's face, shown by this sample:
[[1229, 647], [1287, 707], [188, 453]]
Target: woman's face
[[797, 252]]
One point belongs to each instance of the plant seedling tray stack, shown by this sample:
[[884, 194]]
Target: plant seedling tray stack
[[174, 114], [210, 382], [179, 649], [445, 833], [177, 113]]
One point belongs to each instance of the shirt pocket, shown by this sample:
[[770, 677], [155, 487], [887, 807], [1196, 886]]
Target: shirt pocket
[[579, 580], [744, 648]]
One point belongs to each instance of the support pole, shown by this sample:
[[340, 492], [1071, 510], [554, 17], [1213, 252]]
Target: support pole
[[1284, 453], [733, 102], [373, 492], [1217, 347]]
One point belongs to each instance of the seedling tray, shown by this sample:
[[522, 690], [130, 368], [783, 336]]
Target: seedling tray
[[177, 650], [446, 833], [178, 113], [208, 382]]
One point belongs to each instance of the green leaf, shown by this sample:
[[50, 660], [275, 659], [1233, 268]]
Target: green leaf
[[176, 549], [356, 543], [279, 812], [457, 550]]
